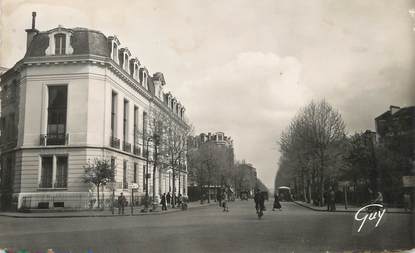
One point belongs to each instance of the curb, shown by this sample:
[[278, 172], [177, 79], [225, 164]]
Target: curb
[[345, 211], [104, 215]]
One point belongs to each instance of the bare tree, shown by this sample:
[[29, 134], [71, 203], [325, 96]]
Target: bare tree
[[312, 147], [174, 148]]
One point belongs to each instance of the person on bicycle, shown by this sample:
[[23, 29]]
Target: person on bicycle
[[259, 201]]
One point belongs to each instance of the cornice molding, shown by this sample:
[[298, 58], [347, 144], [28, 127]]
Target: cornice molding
[[101, 61]]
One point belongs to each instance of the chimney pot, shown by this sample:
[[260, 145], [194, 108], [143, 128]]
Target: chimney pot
[[31, 32], [33, 20]]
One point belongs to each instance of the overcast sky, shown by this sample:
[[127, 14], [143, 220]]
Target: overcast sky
[[245, 67]]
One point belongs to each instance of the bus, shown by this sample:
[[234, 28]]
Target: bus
[[284, 193]]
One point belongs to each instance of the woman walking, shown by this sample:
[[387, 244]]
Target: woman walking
[[277, 204]]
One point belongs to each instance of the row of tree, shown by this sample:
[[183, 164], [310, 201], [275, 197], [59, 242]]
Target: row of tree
[[163, 139], [316, 154]]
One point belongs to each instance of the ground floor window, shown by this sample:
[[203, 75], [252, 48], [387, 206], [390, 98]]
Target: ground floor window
[[61, 172], [54, 172], [124, 176], [135, 173]]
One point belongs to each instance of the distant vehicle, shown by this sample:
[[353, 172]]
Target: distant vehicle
[[284, 193]]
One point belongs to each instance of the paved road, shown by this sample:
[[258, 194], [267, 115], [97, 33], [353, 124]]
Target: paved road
[[208, 229]]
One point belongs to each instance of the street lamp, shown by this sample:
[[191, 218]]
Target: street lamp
[[147, 175]]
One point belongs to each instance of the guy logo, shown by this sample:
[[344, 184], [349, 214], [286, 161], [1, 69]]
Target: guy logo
[[376, 215]]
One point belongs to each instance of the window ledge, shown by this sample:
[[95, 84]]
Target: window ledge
[[51, 189]]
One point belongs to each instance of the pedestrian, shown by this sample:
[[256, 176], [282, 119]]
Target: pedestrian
[[168, 198], [121, 203], [332, 198], [219, 197], [173, 200], [225, 201], [327, 199], [163, 202], [277, 204], [179, 200]]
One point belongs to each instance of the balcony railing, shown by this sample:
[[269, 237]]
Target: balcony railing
[[53, 139], [115, 142], [137, 150], [126, 147]]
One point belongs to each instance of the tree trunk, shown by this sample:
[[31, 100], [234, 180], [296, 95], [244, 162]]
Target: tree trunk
[[98, 194], [154, 173], [321, 190], [304, 189]]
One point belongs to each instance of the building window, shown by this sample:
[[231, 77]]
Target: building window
[[60, 43], [144, 127], [114, 52], [125, 121], [47, 172], [113, 114], [125, 62], [135, 125], [61, 172], [135, 173], [144, 177], [57, 108], [135, 71], [54, 165], [145, 80], [124, 176], [7, 173], [113, 163]]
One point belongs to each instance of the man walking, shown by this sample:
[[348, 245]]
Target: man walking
[[168, 197], [163, 202], [121, 203], [332, 197]]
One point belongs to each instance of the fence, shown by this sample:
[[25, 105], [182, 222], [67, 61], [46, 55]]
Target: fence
[[74, 202]]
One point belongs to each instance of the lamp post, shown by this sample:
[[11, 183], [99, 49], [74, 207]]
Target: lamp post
[[156, 139], [147, 175]]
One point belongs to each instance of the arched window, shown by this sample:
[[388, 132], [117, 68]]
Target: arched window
[[60, 44]]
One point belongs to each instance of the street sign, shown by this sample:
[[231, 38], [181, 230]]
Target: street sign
[[134, 186], [408, 181]]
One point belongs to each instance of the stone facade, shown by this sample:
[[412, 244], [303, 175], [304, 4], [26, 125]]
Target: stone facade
[[75, 96]]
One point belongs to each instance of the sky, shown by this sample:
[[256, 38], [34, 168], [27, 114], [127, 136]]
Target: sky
[[246, 67]]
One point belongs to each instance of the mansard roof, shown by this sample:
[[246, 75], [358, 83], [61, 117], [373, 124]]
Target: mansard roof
[[83, 41]]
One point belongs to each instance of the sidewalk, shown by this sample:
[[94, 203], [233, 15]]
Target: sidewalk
[[350, 209], [99, 213]]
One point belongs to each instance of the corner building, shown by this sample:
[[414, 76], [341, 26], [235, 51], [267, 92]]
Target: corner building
[[75, 96]]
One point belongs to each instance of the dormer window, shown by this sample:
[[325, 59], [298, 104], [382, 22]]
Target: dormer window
[[60, 44], [114, 44], [145, 80], [125, 62], [135, 72], [114, 52]]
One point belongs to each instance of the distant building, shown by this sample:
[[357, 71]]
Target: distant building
[[246, 180], [218, 138], [78, 95], [224, 145], [396, 129]]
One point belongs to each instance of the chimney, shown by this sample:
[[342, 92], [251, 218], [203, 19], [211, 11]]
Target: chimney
[[393, 109], [31, 32]]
